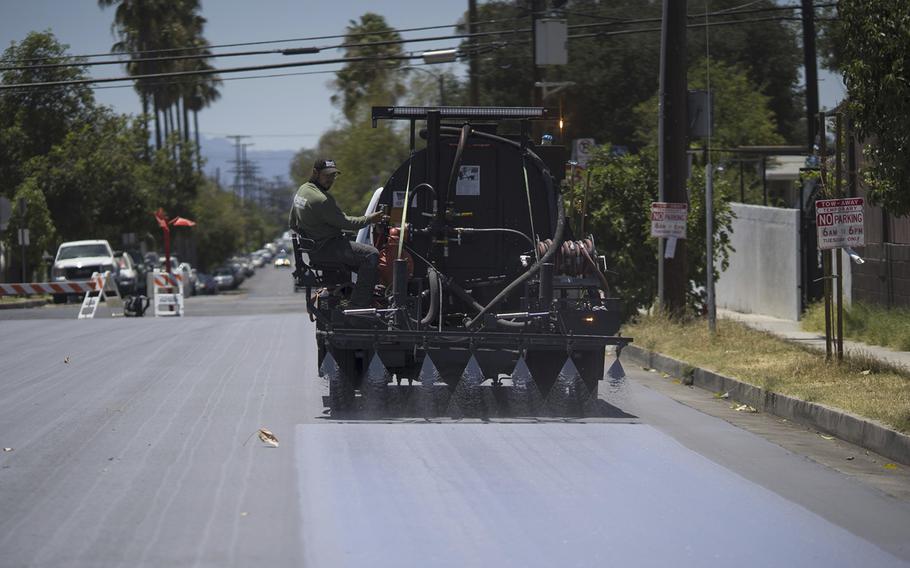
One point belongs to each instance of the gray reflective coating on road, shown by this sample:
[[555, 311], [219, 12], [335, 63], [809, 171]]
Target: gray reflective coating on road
[[133, 444], [544, 495]]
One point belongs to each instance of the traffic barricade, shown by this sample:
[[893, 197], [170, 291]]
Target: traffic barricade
[[102, 289], [167, 293], [33, 288]]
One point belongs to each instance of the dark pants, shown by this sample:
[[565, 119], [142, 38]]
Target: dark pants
[[360, 258]]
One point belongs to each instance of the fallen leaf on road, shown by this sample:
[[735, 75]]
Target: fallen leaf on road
[[7, 449], [744, 408], [677, 382], [66, 360], [850, 458], [722, 395], [664, 375], [890, 466], [268, 438], [826, 437]]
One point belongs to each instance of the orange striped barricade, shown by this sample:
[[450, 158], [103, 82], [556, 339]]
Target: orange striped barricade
[[102, 288], [32, 288], [167, 293]]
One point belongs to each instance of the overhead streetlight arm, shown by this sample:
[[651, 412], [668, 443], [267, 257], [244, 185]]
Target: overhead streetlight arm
[[440, 56]]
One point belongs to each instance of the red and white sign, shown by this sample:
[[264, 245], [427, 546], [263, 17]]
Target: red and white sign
[[839, 223], [62, 287], [668, 220]]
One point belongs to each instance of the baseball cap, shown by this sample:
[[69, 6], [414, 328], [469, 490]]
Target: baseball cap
[[321, 165]]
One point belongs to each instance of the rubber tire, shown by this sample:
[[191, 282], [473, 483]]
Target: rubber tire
[[590, 365]]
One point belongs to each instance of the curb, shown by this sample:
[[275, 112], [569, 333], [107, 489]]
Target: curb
[[851, 428], [25, 304]]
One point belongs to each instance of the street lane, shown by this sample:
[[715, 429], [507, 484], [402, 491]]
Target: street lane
[[141, 451]]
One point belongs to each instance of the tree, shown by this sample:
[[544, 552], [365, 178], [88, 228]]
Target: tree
[[37, 220], [622, 188], [615, 71], [875, 53], [373, 82], [742, 114], [33, 120], [367, 156], [218, 216], [145, 26], [94, 180]]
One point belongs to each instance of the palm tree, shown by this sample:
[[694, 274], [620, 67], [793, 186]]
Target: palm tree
[[136, 23], [144, 26]]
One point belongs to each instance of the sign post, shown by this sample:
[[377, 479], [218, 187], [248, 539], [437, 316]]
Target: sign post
[[668, 221], [23, 235], [839, 224]]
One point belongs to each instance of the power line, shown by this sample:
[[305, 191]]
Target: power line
[[478, 47], [139, 54], [292, 51], [186, 81], [317, 49], [209, 71]]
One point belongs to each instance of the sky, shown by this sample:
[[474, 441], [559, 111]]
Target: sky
[[278, 113]]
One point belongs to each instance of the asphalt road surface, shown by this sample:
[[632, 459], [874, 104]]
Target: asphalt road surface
[[132, 442]]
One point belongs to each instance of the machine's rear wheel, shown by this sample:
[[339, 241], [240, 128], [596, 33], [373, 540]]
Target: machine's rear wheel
[[590, 365]]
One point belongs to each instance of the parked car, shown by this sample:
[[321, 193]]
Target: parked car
[[206, 284], [245, 265], [189, 278], [224, 278], [127, 275], [238, 272], [282, 260], [77, 260], [141, 271]]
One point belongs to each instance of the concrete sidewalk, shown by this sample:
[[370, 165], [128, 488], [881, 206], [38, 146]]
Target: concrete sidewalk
[[791, 330]]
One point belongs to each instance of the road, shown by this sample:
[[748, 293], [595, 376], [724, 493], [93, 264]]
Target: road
[[132, 443]]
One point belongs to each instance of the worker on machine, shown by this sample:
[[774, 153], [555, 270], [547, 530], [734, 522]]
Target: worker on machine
[[315, 215]]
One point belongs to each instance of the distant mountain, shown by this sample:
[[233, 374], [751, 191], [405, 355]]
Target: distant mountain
[[220, 154]]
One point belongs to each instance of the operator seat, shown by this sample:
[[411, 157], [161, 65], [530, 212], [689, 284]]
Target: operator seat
[[313, 274]]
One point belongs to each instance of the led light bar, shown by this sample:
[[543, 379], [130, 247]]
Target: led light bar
[[458, 113]]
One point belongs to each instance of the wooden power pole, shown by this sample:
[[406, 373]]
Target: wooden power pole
[[472, 58], [673, 143]]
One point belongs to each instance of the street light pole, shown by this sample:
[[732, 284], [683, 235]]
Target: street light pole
[[440, 79]]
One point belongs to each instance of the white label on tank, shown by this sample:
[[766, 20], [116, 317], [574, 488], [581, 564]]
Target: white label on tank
[[468, 181]]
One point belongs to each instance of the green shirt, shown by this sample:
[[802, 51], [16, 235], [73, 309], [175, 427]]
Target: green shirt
[[316, 215]]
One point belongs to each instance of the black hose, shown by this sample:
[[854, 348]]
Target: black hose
[[600, 275], [453, 175], [557, 242], [495, 230], [487, 135], [433, 278], [475, 305], [424, 185]]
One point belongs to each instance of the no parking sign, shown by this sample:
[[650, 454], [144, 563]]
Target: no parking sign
[[582, 149]]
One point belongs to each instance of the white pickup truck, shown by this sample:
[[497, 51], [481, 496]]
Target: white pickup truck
[[77, 260]]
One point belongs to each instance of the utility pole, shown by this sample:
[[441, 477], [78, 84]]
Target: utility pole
[[536, 8], [472, 61], [245, 177], [673, 163], [811, 70], [238, 163]]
